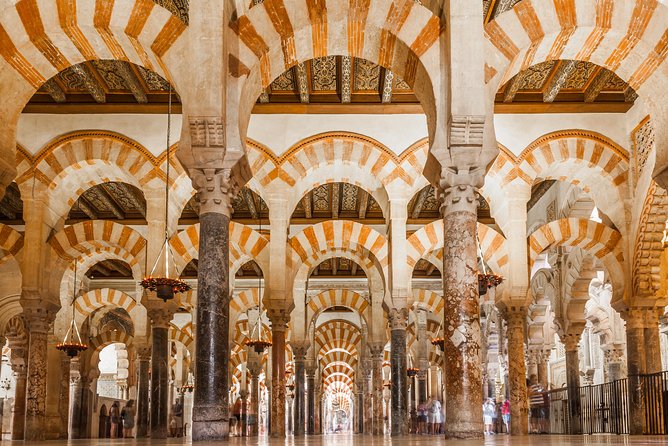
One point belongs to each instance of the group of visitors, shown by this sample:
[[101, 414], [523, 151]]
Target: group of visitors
[[122, 420], [242, 420], [490, 411], [427, 418]]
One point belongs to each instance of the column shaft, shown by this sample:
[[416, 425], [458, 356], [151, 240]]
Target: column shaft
[[310, 402], [19, 409], [210, 408], [143, 384], [463, 383], [636, 363], [159, 381], [255, 404], [279, 322], [519, 404], [571, 342], [652, 342], [35, 422], [64, 397], [300, 397], [377, 362], [543, 360], [399, 415]]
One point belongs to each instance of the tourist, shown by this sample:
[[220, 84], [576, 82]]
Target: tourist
[[172, 426], [435, 416], [177, 412], [414, 422], [236, 412], [422, 414], [505, 414], [488, 411], [128, 417], [536, 404], [114, 419]]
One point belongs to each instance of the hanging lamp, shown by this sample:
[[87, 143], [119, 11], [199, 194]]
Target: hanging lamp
[[259, 344], [411, 371], [72, 344], [439, 341], [486, 280], [167, 285]]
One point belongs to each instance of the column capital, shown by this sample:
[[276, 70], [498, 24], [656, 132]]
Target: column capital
[[279, 318], [515, 317], [613, 355], [635, 317], [38, 315], [299, 349], [216, 189], [571, 341], [161, 317], [143, 352], [398, 318], [376, 350]]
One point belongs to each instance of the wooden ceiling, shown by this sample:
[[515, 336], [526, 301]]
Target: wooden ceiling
[[248, 208], [566, 85], [110, 269], [109, 201]]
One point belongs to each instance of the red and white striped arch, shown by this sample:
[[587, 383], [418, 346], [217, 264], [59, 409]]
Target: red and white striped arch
[[584, 158], [87, 303], [11, 242], [433, 301], [180, 335], [275, 35], [430, 239], [336, 298], [243, 301]]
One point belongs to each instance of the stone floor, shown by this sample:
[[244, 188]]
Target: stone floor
[[351, 440]]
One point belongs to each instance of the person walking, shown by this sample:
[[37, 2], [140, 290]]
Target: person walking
[[488, 409], [114, 419], [128, 417], [435, 416], [505, 414]]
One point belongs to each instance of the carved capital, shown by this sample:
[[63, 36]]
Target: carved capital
[[571, 341], [515, 318], [144, 352], [614, 355], [299, 350], [457, 197], [634, 317], [398, 318], [216, 189], [279, 318], [161, 317], [38, 315], [376, 350]]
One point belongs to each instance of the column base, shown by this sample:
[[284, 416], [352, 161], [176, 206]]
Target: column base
[[210, 430], [465, 431]]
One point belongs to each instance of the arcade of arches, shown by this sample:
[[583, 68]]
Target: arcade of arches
[[339, 172]]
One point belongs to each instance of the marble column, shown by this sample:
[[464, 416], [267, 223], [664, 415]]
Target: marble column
[[368, 397], [399, 415], [77, 383], [254, 366], [571, 343], [38, 323], [359, 407], [519, 402], [299, 350], [542, 367], [422, 386], [64, 397], [143, 384], [462, 352], [636, 363], [376, 351], [211, 399], [159, 372], [279, 324], [614, 358], [19, 409], [652, 340], [532, 358], [310, 399]]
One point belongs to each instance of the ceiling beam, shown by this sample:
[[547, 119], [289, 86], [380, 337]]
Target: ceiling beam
[[513, 87], [102, 269], [86, 208], [596, 86], [133, 196], [419, 203], [335, 266], [105, 197], [248, 197], [13, 198], [90, 82], [336, 198], [630, 95], [131, 80], [316, 270], [257, 269], [363, 199], [302, 82], [353, 268], [430, 269], [346, 70], [564, 71], [7, 211], [54, 90], [386, 87], [306, 203], [118, 267]]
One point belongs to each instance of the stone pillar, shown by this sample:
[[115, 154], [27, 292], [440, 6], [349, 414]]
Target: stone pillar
[[143, 384], [64, 397], [368, 397], [422, 385], [543, 359], [77, 430], [376, 351], [399, 415], [38, 322], [359, 406], [613, 363], [279, 324], [310, 399], [299, 350], [462, 353], [519, 402], [160, 319], [571, 343], [652, 341], [636, 363], [532, 358], [20, 375], [211, 400]]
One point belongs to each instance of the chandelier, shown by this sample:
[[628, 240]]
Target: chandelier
[[439, 341], [259, 344], [165, 286], [72, 344], [486, 280]]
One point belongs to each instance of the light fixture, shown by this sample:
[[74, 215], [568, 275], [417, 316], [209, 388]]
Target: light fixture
[[259, 344], [166, 286], [72, 344], [439, 341], [411, 371], [486, 280]]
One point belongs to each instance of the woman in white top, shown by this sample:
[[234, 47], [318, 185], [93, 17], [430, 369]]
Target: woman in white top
[[435, 416]]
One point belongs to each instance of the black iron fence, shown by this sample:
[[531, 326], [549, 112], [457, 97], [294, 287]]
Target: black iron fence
[[604, 408]]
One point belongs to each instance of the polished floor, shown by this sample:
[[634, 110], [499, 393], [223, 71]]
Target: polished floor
[[354, 440]]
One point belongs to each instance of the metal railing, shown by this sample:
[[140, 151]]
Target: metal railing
[[655, 397], [604, 408]]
